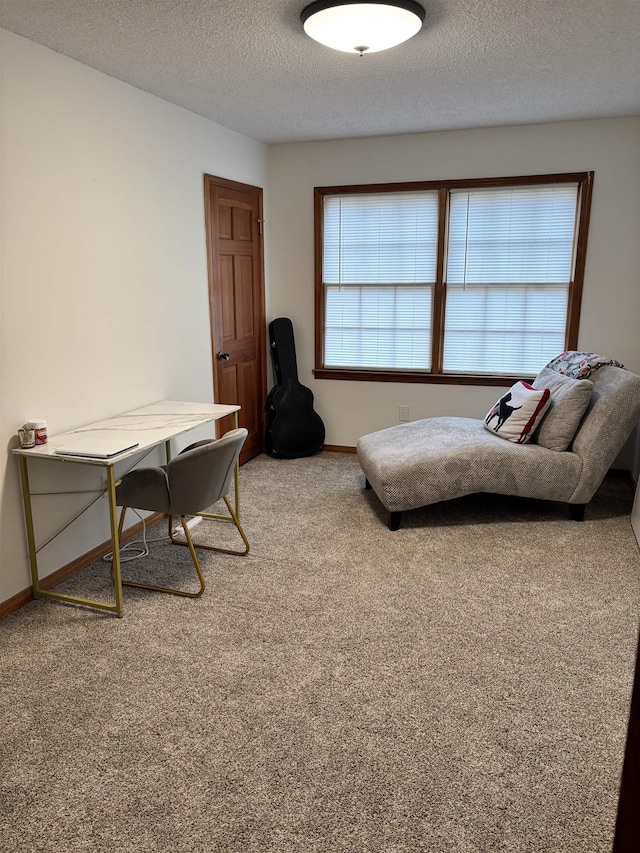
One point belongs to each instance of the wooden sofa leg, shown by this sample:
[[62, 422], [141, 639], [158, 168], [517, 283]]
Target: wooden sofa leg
[[367, 484], [576, 512], [394, 520]]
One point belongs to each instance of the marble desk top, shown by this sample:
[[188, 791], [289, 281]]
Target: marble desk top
[[145, 427]]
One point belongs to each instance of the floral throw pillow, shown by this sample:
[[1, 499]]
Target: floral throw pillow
[[518, 412], [580, 365]]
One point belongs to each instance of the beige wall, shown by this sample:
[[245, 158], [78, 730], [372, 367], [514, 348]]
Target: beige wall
[[611, 303], [103, 271]]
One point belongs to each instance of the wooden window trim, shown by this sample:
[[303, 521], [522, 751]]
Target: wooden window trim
[[437, 376]]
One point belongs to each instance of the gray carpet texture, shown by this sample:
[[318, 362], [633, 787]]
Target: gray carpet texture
[[459, 686]]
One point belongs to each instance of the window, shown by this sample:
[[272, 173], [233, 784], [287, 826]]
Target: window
[[474, 281]]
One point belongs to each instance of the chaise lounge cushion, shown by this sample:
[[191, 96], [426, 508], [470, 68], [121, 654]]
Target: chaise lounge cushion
[[569, 401], [436, 459]]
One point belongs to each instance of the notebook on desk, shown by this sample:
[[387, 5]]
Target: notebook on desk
[[95, 447]]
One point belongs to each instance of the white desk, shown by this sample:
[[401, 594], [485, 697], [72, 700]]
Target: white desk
[[148, 427]]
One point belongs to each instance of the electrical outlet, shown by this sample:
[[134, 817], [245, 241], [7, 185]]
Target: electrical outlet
[[191, 523], [403, 413]]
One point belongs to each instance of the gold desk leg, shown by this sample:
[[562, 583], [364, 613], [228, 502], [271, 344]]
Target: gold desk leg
[[115, 540], [38, 591], [236, 490], [236, 475], [28, 516]]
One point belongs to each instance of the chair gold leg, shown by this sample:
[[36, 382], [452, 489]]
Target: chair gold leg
[[243, 535], [194, 557], [232, 518]]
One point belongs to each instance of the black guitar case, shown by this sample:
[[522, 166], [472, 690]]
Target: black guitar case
[[294, 429]]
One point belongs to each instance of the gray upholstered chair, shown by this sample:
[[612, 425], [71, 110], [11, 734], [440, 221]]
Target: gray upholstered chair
[[197, 478], [423, 462]]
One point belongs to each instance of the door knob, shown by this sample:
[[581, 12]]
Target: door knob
[[223, 356]]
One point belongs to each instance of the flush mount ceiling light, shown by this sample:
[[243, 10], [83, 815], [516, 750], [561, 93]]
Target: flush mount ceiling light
[[362, 26]]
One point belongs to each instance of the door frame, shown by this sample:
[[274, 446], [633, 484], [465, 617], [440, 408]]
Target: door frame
[[212, 184]]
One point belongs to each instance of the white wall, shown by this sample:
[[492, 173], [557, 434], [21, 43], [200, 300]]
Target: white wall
[[103, 267], [611, 301]]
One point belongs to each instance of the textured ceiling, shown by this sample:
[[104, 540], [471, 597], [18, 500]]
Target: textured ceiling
[[248, 65]]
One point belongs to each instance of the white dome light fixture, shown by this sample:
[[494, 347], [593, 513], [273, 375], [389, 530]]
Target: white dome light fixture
[[362, 26]]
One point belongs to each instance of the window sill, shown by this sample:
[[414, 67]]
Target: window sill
[[419, 377]]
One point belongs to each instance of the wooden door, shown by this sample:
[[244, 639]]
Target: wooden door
[[233, 217]]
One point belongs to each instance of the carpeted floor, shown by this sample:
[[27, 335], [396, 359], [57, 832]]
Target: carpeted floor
[[460, 686]]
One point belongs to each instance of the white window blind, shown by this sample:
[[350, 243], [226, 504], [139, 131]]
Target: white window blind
[[379, 267], [509, 266]]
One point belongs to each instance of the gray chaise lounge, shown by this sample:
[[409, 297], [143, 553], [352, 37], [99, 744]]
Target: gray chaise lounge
[[415, 464]]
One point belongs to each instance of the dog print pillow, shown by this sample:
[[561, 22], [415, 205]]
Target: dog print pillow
[[518, 412]]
